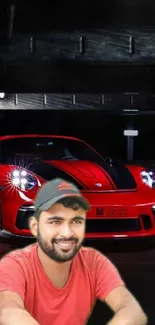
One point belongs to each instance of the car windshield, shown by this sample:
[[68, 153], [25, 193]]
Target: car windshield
[[46, 148]]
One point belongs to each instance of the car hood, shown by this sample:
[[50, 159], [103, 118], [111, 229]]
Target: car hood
[[87, 175]]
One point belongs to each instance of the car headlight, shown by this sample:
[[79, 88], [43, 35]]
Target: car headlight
[[148, 177], [22, 179]]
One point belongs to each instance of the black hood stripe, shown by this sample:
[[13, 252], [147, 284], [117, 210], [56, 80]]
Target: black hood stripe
[[49, 172], [119, 174]]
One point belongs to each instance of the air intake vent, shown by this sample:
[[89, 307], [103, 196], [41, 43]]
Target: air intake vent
[[146, 221]]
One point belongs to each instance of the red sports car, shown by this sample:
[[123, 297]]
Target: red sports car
[[122, 197]]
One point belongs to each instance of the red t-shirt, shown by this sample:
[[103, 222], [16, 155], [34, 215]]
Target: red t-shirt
[[92, 277]]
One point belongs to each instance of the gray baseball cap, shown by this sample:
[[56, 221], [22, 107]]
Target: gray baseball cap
[[54, 190]]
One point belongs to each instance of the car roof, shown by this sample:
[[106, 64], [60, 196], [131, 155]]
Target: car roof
[[7, 137]]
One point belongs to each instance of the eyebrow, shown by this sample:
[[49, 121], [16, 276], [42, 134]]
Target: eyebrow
[[60, 218]]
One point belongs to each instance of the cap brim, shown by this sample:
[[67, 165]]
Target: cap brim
[[51, 202]]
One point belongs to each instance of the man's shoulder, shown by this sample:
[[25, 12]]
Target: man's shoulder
[[90, 251], [20, 254], [91, 255]]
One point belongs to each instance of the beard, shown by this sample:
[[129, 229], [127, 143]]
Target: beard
[[60, 255]]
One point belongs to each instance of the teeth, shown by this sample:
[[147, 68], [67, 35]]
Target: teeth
[[65, 244]]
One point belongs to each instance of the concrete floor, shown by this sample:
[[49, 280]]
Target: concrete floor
[[137, 267]]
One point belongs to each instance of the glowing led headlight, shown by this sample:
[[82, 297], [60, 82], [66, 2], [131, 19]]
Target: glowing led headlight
[[16, 173], [23, 173], [22, 179], [16, 181], [148, 177]]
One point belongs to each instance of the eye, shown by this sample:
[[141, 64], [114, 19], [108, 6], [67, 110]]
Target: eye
[[78, 221], [55, 222]]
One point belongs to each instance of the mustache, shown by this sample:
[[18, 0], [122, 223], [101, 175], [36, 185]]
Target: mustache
[[64, 240]]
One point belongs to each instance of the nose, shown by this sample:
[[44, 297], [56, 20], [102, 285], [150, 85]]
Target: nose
[[66, 231]]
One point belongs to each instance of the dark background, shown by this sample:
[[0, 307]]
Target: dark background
[[131, 13], [101, 130], [54, 47]]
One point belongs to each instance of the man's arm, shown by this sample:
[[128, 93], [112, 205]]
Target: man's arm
[[12, 310], [12, 294], [126, 308], [111, 289]]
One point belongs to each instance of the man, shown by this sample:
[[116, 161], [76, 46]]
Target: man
[[57, 280]]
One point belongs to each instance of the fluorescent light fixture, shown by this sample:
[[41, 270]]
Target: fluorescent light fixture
[[131, 133]]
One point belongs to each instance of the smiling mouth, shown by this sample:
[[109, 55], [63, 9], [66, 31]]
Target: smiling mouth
[[65, 245]]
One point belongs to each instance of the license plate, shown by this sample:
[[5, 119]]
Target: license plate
[[112, 212]]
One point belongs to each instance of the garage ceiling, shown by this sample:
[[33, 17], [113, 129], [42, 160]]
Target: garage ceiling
[[122, 103], [103, 48]]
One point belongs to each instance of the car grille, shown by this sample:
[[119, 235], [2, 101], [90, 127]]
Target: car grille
[[92, 225], [112, 225]]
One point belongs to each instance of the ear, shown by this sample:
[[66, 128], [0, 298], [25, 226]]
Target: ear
[[33, 225]]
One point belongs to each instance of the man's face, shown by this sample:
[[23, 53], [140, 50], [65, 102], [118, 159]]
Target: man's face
[[61, 231]]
